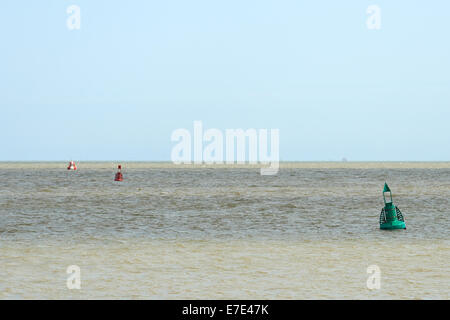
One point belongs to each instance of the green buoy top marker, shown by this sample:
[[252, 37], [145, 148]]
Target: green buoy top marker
[[391, 216]]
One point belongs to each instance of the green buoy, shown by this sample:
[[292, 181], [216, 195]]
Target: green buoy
[[391, 216]]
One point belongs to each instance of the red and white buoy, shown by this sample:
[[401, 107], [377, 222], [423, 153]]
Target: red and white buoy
[[72, 166], [119, 175]]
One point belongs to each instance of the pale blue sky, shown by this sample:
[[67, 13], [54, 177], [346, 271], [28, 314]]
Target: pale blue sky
[[137, 70]]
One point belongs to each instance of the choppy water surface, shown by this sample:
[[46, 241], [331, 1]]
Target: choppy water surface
[[181, 232]]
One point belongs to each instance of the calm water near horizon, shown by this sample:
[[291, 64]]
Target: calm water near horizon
[[183, 232]]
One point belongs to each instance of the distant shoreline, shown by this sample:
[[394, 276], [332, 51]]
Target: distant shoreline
[[283, 165]]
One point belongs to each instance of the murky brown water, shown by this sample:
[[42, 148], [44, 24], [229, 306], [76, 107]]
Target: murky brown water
[[180, 232]]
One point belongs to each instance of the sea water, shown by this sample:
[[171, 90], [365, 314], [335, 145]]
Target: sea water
[[223, 232]]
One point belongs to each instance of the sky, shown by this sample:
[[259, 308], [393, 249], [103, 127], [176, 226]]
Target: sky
[[135, 71]]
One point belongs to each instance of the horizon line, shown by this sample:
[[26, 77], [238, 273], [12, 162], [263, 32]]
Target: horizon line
[[225, 163]]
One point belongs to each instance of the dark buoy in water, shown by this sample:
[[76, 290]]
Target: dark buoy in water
[[72, 166], [391, 216], [119, 175]]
